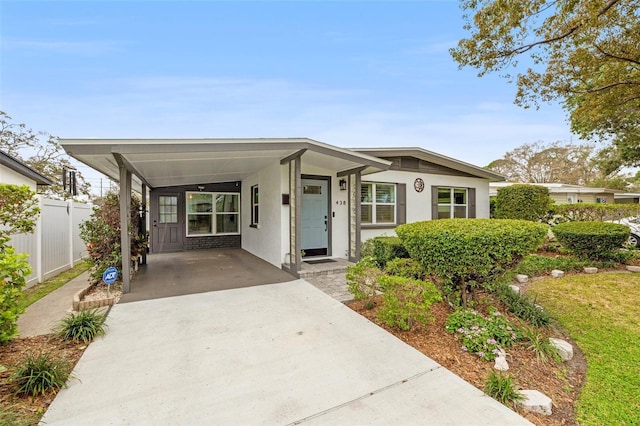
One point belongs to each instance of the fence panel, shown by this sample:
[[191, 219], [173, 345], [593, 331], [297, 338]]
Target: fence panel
[[55, 245]]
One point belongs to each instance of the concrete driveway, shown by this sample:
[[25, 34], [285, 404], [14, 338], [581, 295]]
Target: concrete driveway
[[274, 354]]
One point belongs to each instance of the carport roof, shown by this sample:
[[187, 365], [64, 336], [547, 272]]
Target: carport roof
[[173, 162]]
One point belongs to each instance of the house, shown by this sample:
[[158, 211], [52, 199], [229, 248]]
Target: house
[[13, 171], [283, 200], [562, 193]]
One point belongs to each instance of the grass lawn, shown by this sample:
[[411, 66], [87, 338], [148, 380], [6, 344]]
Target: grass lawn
[[601, 312], [38, 291]]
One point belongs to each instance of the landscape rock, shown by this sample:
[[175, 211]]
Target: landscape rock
[[522, 279], [632, 268], [590, 270], [556, 273], [535, 401], [515, 289], [501, 362], [564, 348]]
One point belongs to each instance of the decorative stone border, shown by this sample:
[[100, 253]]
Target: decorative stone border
[[81, 305]]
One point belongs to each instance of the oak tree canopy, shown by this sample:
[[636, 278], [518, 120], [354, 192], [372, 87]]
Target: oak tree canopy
[[584, 54]]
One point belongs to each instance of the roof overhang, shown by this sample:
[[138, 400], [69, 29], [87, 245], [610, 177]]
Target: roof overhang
[[435, 158], [175, 162], [19, 167]]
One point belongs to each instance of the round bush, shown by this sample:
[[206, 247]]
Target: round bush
[[470, 250], [527, 202], [593, 240]]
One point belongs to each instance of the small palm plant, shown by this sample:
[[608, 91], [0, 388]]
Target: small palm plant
[[83, 326], [38, 374]]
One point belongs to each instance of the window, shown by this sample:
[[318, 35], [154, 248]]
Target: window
[[255, 208], [452, 203], [210, 213], [378, 203], [168, 209]]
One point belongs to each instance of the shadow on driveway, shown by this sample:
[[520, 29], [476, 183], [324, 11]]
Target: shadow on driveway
[[199, 271]]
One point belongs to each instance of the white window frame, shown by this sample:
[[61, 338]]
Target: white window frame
[[255, 217], [452, 204], [213, 213], [374, 203]]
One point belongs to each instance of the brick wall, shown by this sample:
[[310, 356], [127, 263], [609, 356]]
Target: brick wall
[[218, 241]]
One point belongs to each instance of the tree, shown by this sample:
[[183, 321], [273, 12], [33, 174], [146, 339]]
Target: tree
[[40, 151], [553, 163], [585, 54]]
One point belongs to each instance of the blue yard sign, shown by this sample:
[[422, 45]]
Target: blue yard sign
[[110, 276]]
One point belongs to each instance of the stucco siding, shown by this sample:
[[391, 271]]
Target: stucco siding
[[265, 239], [12, 177], [419, 203]]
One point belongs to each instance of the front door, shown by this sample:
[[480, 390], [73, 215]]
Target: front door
[[314, 221], [167, 228]]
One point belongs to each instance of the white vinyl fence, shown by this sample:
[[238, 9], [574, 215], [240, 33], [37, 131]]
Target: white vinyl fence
[[55, 245]]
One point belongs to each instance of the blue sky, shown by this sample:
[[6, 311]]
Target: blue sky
[[349, 73]]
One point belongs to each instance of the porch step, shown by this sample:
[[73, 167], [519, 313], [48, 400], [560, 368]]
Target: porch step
[[335, 266]]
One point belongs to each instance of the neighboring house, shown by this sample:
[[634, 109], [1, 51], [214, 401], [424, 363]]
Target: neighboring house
[[13, 171], [283, 199], [627, 198], [562, 193]]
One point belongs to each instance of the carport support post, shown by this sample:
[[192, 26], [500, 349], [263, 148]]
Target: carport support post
[[354, 216], [143, 219], [125, 219], [295, 191]]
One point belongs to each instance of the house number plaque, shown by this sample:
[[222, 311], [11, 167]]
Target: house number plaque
[[418, 185]]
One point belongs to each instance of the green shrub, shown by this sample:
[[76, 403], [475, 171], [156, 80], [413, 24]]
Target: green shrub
[[502, 387], [534, 265], [386, 249], [592, 212], [83, 326], [406, 301], [366, 248], [102, 235], [362, 278], [522, 306], [13, 270], [482, 336], [18, 213], [526, 202], [592, 240], [466, 253], [539, 343], [408, 268], [39, 374]]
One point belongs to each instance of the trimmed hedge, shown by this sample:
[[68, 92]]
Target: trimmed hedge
[[408, 268], [526, 202], [386, 249], [465, 253], [593, 240]]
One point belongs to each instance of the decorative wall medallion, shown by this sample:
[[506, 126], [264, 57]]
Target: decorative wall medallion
[[418, 185]]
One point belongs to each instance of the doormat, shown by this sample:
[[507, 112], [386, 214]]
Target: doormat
[[315, 262]]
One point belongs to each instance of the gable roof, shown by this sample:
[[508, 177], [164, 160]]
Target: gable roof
[[19, 167], [435, 158]]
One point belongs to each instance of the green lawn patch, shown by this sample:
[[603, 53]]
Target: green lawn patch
[[601, 312], [38, 291]]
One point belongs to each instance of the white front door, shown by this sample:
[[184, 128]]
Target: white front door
[[314, 221]]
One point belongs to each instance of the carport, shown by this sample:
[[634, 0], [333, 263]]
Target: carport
[[212, 187], [199, 271]]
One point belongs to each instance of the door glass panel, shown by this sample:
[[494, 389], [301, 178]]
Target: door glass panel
[[168, 209], [312, 190]]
